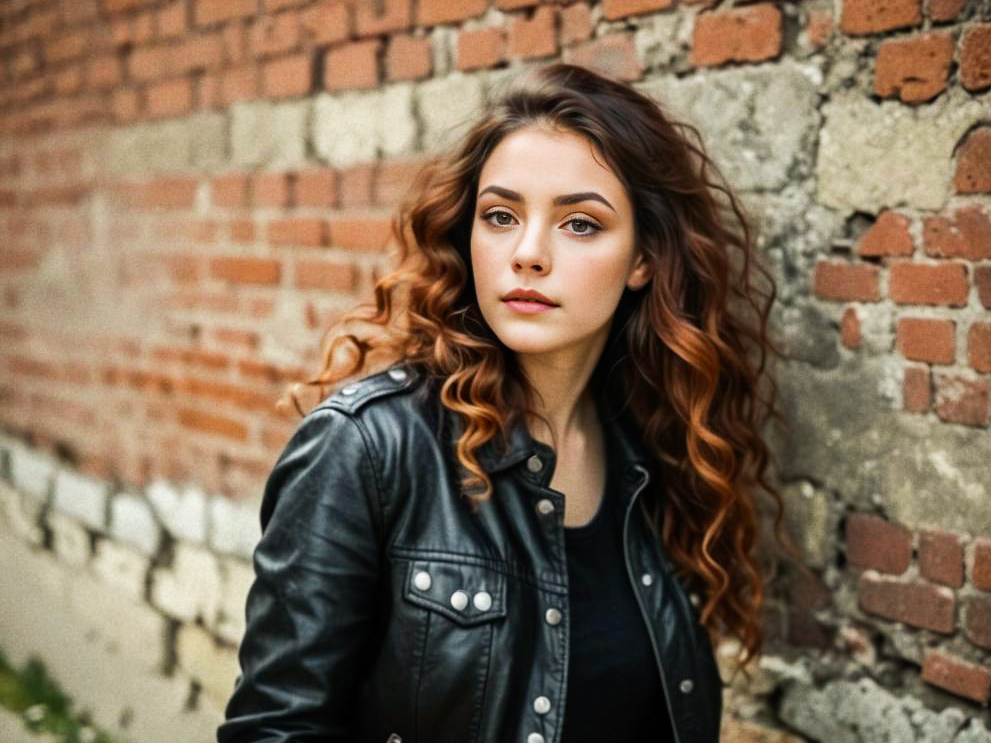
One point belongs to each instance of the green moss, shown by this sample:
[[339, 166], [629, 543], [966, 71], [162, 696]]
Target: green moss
[[44, 707]]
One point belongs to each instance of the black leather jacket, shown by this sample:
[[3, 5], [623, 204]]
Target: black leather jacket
[[384, 611]]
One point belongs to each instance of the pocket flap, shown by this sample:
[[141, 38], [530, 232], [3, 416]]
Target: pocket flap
[[466, 594]]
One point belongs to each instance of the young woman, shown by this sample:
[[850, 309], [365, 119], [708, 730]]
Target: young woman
[[529, 526]]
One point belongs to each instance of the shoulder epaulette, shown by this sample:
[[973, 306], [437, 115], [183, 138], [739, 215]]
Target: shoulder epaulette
[[352, 396]]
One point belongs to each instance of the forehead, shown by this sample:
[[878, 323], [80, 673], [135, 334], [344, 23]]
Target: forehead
[[537, 159]]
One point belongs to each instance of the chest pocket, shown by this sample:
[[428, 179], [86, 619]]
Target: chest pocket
[[466, 594]]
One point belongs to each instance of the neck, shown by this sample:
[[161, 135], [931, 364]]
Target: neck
[[563, 397]]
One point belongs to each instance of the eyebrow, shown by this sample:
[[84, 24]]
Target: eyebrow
[[571, 198]]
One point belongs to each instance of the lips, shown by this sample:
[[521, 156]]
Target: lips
[[528, 295]]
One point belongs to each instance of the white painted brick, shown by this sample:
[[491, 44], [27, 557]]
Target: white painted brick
[[447, 107], [264, 133], [81, 497], [345, 127], [31, 471], [122, 567], [396, 128], [235, 528], [190, 588], [207, 140], [70, 539], [22, 514], [182, 511], [215, 667], [237, 579], [132, 521]]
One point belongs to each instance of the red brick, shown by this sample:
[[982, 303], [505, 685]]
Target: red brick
[[332, 276], [979, 346], [614, 55], [149, 63], [274, 34], [975, 58], [242, 230], [847, 282], [957, 676], [208, 93], [169, 98], [239, 84], [68, 46], [819, 27], [433, 12], [126, 104], [941, 558], [199, 53], [916, 70], [748, 34], [921, 605], [967, 235], [977, 620], [273, 5], [916, 390], [485, 47], [889, 235], [368, 233], [235, 40], [515, 4], [929, 340], [872, 542], [980, 572], [393, 180], [615, 9], [575, 23], [352, 66], [69, 80], [408, 58], [850, 329], [325, 23], [861, 17], [287, 76], [260, 271], [172, 21], [962, 399], [982, 280], [916, 283], [302, 231], [534, 37], [316, 188], [104, 71], [395, 15], [355, 186], [217, 11], [197, 420], [170, 193], [270, 189], [230, 190], [973, 173], [945, 10]]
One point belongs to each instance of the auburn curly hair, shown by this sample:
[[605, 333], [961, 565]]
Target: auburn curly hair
[[687, 353]]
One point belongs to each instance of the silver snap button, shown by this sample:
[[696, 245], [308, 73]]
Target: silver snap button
[[686, 686], [545, 506], [541, 705], [459, 600], [349, 390], [534, 464], [482, 601], [535, 738], [422, 580], [397, 374], [647, 579], [552, 617]]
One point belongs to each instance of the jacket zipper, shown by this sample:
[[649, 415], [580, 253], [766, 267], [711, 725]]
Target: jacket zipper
[[643, 611]]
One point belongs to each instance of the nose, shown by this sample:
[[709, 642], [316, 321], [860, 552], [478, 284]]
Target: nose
[[531, 253]]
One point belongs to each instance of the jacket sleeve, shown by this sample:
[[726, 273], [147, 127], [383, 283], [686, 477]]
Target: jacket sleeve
[[310, 609]]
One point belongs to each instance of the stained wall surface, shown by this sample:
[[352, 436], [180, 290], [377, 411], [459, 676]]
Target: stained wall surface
[[192, 190]]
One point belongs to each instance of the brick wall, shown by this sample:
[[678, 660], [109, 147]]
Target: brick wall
[[192, 190]]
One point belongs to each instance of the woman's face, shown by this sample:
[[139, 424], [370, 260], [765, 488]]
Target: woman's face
[[551, 218]]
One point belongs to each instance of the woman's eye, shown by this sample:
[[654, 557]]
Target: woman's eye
[[498, 216], [579, 226], [586, 227]]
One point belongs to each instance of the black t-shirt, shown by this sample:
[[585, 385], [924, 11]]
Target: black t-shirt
[[614, 692]]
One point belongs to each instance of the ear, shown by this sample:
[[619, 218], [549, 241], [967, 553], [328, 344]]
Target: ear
[[640, 274]]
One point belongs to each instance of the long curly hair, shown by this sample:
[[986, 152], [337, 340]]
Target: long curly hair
[[688, 352]]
